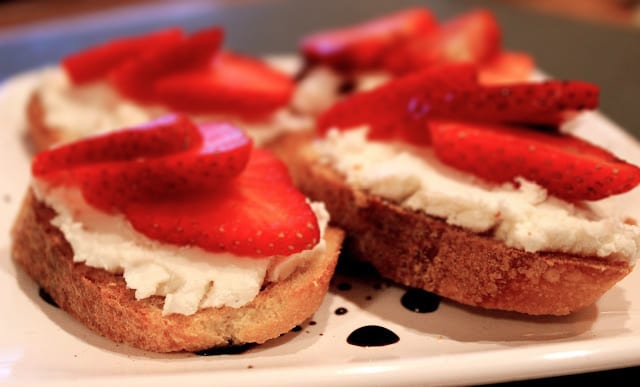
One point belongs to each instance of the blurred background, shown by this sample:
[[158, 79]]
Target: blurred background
[[592, 40], [618, 12]]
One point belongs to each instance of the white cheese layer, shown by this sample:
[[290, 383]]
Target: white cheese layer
[[79, 111], [524, 217], [189, 278]]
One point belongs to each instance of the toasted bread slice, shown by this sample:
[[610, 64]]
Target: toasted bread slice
[[102, 302], [421, 251]]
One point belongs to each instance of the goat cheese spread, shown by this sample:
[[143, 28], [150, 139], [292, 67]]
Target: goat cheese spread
[[522, 215]]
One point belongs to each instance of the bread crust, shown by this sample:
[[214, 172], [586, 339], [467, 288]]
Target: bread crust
[[101, 301], [421, 251]]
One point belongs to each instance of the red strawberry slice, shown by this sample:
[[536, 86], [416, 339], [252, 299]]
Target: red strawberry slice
[[96, 62], [363, 46], [117, 178], [540, 103], [165, 135], [506, 68], [259, 213], [135, 78], [568, 167], [230, 84], [396, 110], [402, 108], [473, 37]]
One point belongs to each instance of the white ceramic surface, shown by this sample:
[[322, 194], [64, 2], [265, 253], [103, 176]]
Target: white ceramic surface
[[41, 345]]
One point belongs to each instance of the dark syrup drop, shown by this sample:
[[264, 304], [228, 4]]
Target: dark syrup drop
[[297, 328], [46, 297], [231, 350], [420, 301], [372, 336], [340, 311], [344, 286]]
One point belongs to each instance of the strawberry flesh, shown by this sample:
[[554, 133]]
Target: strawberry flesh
[[135, 79], [230, 84], [568, 167], [179, 157], [258, 213], [165, 135], [96, 62], [223, 154], [540, 103], [473, 37], [363, 46], [393, 110], [189, 185], [507, 67], [403, 107]]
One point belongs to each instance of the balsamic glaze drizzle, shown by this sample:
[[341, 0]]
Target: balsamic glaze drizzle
[[420, 301], [372, 336]]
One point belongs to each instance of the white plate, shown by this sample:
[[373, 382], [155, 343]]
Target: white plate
[[40, 344]]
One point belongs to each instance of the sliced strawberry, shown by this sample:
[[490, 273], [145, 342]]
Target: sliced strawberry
[[165, 135], [96, 62], [231, 84], [135, 78], [507, 67], [363, 46], [193, 194], [116, 178], [473, 37], [259, 213], [568, 167], [540, 103], [402, 108], [398, 109]]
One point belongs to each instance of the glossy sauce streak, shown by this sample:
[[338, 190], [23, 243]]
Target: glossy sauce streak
[[420, 301], [372, 336], [46, 297]]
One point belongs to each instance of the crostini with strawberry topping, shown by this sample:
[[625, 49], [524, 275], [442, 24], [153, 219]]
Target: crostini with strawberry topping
[[175, 236], [478, 193]]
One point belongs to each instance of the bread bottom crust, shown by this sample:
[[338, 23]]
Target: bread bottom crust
[[421, 251], [102, 302]]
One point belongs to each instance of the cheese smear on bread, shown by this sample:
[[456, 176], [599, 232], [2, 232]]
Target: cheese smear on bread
[[523, 217], [189, 278], [78, 111]]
